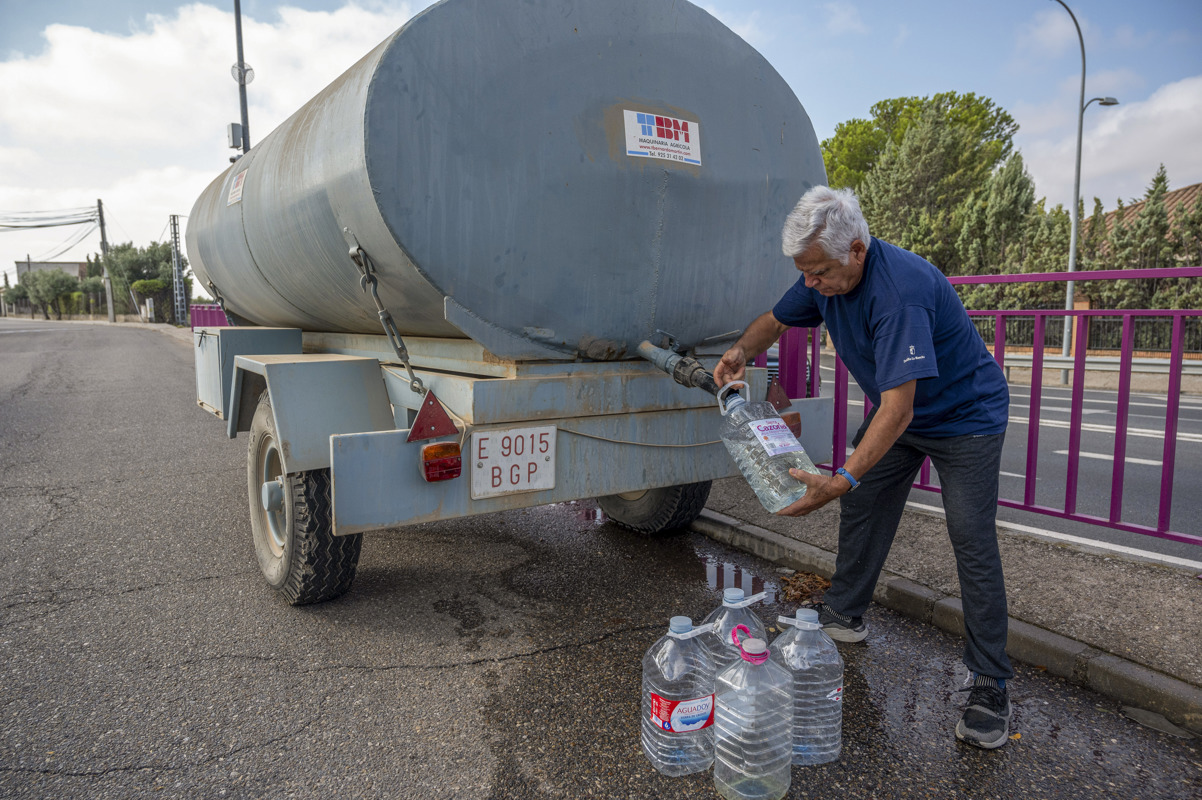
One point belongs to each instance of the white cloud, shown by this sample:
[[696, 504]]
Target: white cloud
[[843, 18], [1050, 34], [1122, 147], [139, 119], [747, 26], [1056, 115]]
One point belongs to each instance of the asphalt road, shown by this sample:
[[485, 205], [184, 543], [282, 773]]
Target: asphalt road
[[492, 657]]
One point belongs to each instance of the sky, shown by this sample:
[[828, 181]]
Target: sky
[[128, 100]]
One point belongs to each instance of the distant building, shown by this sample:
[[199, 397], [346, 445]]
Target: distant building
[[77, 268]]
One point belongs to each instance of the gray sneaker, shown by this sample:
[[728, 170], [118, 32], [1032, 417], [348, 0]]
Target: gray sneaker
[[986, 720], [840, 627]]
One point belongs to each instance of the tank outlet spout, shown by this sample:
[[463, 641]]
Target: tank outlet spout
[[685, 370]]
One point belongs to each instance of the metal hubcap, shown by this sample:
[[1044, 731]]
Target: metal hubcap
[[271, 479]]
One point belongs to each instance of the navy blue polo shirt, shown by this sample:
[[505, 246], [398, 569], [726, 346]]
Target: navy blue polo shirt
[[903, 321]]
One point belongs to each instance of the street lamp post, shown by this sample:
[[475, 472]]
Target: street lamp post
[[1076, 217]]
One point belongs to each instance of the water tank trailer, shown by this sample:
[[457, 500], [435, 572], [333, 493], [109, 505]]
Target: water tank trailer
[[442, 267]]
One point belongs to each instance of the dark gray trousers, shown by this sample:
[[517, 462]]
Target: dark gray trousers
[[968, 475]]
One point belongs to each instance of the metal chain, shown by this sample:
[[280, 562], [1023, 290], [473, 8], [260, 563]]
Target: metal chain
[[220, 302], [368, 282]]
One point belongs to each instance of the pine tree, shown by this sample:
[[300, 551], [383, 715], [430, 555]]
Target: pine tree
[[1187, 231], [1153, 246], [1011, 198], [914, 194]]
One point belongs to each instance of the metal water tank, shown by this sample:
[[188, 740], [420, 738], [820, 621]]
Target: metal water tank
[[551, 179]]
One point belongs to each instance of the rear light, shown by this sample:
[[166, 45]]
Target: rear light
[[441, 462]]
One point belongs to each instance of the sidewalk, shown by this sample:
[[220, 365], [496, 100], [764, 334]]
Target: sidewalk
[[1128, 629]]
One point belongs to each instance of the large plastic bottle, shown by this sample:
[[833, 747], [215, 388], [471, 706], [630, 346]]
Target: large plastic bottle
[[733, 611], [678, 701], [763, 448], [817, 669], [752, 727]]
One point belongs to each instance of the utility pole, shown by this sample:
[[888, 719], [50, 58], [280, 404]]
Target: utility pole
[[177, 271], [241, 76], [104, 261]]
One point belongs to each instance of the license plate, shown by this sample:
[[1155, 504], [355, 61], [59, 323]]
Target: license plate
[[512, 460]]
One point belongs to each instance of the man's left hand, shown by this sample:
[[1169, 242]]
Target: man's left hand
[[820, 490]]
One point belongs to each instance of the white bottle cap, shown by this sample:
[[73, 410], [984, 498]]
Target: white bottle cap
[[755, 647]]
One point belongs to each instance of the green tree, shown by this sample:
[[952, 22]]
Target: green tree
[[47, 289], [859, 144], [1188, 231], [93, 288], [1090, 243], [16, 295], [852, 152], [914, 195], [1154, 247], [129, 264]]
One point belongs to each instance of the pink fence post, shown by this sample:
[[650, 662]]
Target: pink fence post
[[1170, 427], [1036, 399], [792, 360], [816, 360], [1074, 432], [1120, 421]]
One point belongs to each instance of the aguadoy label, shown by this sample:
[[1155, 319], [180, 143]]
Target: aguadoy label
[[774, 436], [682, 716]]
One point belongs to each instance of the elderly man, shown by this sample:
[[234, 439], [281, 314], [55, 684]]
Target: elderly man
[[905, 337]]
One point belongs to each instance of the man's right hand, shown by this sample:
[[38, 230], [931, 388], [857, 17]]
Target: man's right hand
[[732, 367]]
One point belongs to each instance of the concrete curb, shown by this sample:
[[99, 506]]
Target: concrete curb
[[1107, 674]]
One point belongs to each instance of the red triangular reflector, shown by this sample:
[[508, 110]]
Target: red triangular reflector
[[432, 421], [777, 397]]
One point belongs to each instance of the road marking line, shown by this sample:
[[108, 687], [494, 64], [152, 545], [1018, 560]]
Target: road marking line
[[1144, 432], [1064, 537], [1104, 457], [1014, 475]]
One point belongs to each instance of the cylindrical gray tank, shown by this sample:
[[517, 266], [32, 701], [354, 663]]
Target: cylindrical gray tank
[[490, 158]]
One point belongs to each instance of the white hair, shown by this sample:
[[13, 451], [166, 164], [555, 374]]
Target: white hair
[[832, 217]]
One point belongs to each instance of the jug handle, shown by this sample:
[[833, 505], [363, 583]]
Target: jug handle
[[726, 389]]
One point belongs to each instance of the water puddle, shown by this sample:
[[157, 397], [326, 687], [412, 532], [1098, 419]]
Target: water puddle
[[721, 574]]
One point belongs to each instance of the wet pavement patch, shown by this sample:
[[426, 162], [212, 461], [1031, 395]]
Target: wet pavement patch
[[566, 723]]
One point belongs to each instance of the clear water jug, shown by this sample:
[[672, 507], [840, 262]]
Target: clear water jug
[[734, 611], [817, 669], [678, 701], [753, 726], [763, 448]]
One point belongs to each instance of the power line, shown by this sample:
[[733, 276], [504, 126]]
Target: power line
[[26, 220], [71, 241]]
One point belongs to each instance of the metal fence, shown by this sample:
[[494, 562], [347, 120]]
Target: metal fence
[[1163, 331], [1152, 334]]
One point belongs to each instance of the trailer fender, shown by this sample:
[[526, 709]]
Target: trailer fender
[[312, 397]]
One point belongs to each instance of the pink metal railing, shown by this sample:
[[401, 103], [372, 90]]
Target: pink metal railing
[[793, 370]]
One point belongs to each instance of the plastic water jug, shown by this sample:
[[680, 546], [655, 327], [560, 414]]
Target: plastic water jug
[[817, 669], [763, 448], [752, 727], [733, 611], [678, 701]]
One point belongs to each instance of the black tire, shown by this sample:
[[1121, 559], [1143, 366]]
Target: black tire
[[297, 550], [657, 511]]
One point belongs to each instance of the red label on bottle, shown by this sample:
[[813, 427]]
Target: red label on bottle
[[682, 716]]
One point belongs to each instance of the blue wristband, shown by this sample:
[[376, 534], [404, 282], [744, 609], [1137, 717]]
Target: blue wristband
[[854, 483]]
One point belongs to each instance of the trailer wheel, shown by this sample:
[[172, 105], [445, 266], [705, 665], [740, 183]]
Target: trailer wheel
[[657, 511], [291, 522]]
